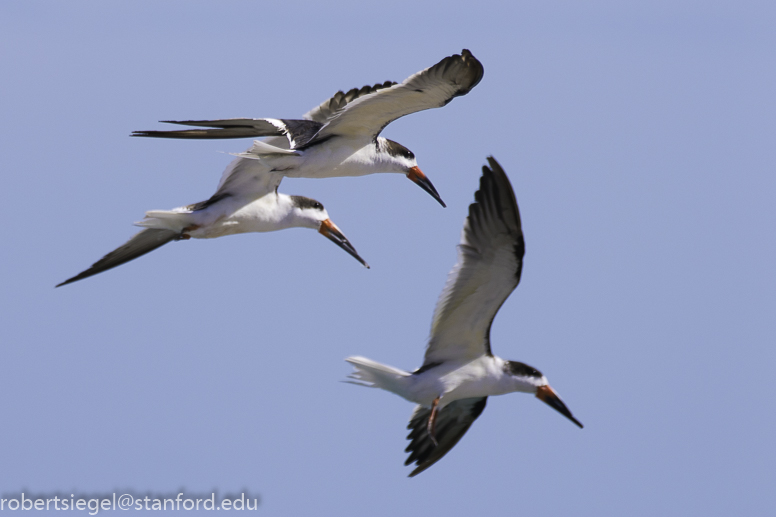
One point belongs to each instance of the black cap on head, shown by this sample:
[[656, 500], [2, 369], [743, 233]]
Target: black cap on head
[[306, 202], [396, 149], [521, 369]]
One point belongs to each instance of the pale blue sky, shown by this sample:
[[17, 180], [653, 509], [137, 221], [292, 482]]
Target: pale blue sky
[[639, 138]]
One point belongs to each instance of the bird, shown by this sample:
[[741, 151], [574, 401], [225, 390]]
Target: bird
[[246, 200], [459, 371], [340, 137]]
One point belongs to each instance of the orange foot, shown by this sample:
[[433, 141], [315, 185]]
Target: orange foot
[[431, 425], [184, 236]]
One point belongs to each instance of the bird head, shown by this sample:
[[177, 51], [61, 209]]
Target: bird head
[[528, 378], [403, 160], [310, 213]]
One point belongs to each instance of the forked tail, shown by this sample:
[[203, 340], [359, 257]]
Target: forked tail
[[376, 375], [173, 220]]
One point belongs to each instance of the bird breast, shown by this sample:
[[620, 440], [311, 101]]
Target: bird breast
[[261, 215], [479, 378], [337, 157]]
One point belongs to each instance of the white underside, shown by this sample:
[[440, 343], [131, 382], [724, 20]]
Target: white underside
[[481, 377], [338, 157], [229, 216]]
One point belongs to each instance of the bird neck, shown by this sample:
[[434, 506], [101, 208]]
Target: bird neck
[[510, 382], [289, 216], [373, 158]]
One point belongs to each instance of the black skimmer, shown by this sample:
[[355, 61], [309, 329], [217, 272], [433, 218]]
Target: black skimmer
[[341, 136], [246, 200], [459, 371]]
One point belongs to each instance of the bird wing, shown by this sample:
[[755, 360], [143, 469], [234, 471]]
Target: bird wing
[[325, 110], [297, 132], [367, 115], [248, 178], [490, 260], [360, 112], [452, 422], [243, 178], [328, 108], [141, 243], [294, 130]]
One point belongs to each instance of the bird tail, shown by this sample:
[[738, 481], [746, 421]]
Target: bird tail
[[261, 148], [173, 220], [372, 374]]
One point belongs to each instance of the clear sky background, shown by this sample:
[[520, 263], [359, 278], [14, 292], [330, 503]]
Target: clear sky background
[[640, 138]]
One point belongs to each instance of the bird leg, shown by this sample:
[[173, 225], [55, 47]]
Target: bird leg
[[184, 236], [430, 427]]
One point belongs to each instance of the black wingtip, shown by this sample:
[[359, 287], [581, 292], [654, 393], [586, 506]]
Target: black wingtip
[[157, 134], [141, 243], [494, 165], [80, 276], [475, 68]]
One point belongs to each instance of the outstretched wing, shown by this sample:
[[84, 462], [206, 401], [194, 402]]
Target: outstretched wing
[[328, 108], [367, 115], [490, 260], [297, 132], [451, 424], [360, 112], [248, 179], [141, 243], [287, 133]]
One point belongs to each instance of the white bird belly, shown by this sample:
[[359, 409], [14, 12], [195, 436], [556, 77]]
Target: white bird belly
[[481, 377], [259, 216], [331, 161]]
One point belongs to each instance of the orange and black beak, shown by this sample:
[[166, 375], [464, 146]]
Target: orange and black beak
[[548, 396], [329, 230], [416, 176]]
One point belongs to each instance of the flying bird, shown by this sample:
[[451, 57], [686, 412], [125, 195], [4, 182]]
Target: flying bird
[[459, 371], [246, 200], [341, 136]]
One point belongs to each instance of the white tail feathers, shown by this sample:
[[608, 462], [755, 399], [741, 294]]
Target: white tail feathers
[[260, 148], [376, 375], [166, 220]]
